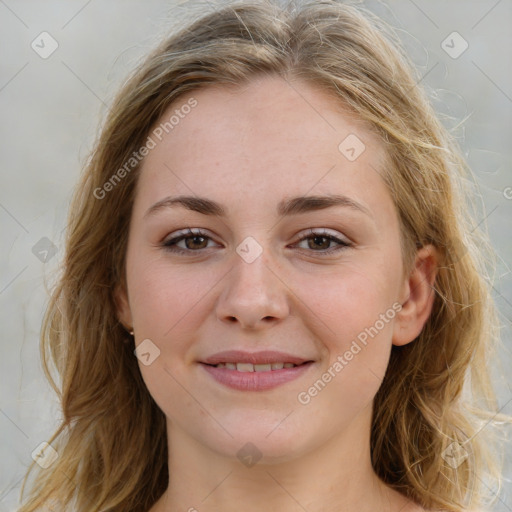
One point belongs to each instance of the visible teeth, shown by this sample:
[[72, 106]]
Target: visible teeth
[[262, 367], [245, 367], [249, 367]]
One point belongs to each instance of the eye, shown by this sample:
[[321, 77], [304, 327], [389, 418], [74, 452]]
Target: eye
[[194, 240], [322, 239]]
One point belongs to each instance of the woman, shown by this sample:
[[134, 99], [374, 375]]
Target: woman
[[271, 296]]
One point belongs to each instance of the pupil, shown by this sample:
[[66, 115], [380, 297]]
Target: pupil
[[316, 239], [195, 238]]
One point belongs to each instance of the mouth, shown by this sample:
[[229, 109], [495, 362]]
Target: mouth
[[249, 367], [261, 358], [259, 371]]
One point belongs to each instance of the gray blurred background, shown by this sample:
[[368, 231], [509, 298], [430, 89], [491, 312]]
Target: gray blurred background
[[62, 61]]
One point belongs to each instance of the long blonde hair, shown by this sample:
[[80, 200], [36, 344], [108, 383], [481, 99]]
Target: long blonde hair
[[111, 443]]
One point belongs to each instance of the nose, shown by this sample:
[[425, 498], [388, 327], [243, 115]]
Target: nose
[[254, 294]]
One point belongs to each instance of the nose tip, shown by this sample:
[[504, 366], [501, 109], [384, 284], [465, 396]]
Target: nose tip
[[248, 323], [253, 295]]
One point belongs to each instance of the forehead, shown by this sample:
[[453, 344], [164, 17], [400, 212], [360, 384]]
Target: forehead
[[257, 142]]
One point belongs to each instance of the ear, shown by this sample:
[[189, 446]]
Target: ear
[[417, 297], [122, 303]]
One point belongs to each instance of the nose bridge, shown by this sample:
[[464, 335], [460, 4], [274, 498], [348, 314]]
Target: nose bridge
[[252, 292], [251, 270]]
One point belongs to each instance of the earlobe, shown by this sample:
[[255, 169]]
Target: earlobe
[[123, 307], [418, 299]]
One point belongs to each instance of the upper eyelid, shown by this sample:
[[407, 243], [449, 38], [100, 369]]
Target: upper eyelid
[[203, 232], [189, 232], [323, 231]]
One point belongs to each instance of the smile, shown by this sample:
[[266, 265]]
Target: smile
[[248, 367], [255, 377]]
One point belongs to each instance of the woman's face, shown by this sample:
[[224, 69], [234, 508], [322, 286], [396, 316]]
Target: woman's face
[[248, 282]]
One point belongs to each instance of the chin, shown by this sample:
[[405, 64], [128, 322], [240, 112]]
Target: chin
[[260, 439]]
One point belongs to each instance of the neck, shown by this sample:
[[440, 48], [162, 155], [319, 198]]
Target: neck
[[335, 476]]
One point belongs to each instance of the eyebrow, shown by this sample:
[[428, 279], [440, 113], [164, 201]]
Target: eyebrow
[[292, 206]]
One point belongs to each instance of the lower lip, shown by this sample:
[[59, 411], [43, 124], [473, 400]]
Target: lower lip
[[256, 381]]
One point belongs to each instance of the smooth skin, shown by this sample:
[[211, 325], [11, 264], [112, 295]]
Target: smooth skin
[[249, 148]]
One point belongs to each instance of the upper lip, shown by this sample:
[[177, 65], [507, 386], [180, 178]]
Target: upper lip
[[262, 357]]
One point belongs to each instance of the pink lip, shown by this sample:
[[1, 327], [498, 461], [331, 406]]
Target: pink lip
[[262, 357], [255, 381]]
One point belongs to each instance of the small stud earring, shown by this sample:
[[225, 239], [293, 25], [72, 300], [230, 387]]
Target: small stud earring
[[131, 333]]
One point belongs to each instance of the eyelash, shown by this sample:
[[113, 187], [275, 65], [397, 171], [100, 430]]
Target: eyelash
[[170, 244]]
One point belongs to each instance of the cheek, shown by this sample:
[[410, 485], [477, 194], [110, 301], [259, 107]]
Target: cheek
[[164, 297], [356, 345], [349, 299], [353, 320]]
